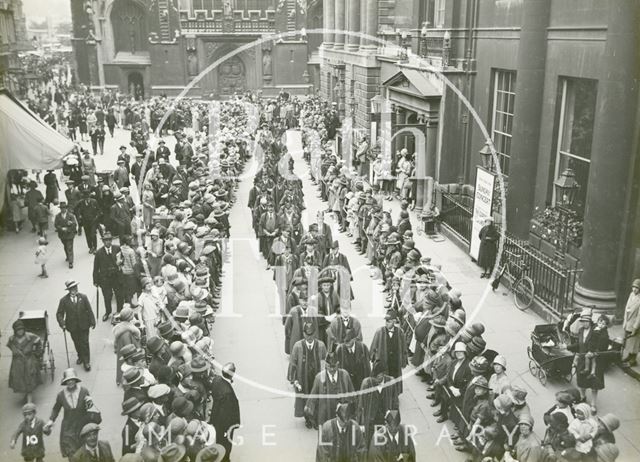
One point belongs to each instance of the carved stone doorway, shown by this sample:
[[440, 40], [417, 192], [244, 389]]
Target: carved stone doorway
[[231, 76], [135, 85]]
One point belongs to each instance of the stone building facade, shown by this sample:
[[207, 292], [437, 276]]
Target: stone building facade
[[551, 80], [162, 46]]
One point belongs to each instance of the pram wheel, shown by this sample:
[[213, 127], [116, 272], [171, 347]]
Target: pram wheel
[[542, 376], [533, 368]]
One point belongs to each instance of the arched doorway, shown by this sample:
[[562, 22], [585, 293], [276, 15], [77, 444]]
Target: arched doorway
[[231, 76], [135, 85]]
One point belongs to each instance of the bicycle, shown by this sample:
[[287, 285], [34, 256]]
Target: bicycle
[[520, 284]]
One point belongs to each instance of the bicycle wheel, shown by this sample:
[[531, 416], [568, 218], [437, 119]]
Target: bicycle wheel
[[523, 292]]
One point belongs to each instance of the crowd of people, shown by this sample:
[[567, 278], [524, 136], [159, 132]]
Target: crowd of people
[[425, 324], [162, 260]]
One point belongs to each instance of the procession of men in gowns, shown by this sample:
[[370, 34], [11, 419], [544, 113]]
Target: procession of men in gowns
[[328, 359]]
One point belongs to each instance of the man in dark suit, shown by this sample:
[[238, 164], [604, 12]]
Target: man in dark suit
[[88, 214], [136, 168], [120, 216], [75, 315], [106, 274], [92, 450], [162, 151], [66, 227], [225, 411], [130, 408]]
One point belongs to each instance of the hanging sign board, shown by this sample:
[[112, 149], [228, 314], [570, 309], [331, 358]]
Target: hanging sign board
[[482, 206]]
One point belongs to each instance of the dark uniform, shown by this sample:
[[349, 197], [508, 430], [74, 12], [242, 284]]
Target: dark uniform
[[88, 214], [66, 227]]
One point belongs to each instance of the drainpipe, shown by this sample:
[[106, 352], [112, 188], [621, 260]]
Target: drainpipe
[[472, 21]]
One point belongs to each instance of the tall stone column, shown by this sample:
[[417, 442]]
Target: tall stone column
[[355, 19], [610, 160], [532, 54], [371, 28], [328, 7], [431, 135], [339, 25], [363, 22]]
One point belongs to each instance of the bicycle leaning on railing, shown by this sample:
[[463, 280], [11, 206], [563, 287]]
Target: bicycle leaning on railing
[[520, 284]]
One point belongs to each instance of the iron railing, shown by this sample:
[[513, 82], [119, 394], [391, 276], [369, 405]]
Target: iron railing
[[554, 280], [456, 215]]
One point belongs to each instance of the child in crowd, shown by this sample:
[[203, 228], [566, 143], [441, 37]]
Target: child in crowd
[[32, 430], [41, 216], [41, 256], [159, 291], [600, 338], [584, 428]]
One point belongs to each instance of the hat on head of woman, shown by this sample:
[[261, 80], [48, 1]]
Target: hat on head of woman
[[610, 421], [607, 452], [526, 419], [501, 360]]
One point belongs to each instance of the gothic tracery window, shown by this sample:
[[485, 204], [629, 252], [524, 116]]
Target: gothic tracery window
[[129, 27]]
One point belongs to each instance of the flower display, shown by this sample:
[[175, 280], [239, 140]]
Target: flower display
[[550, 225]]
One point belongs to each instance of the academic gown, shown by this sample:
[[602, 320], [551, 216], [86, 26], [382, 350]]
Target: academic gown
[[304, 365], [325, 408], [337, 330], [293, 326], [335, 446], [379, 352], [375, 402], [387, 449], [356, 363]]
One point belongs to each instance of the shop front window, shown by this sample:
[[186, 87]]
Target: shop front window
[[577, 100]]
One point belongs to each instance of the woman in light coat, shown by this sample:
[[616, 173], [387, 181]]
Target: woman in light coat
[[631, 325]]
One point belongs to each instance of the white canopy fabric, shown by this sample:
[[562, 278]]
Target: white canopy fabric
[[26, 142]]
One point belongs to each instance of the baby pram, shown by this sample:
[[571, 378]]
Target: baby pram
[[37, 322], [548, 354]]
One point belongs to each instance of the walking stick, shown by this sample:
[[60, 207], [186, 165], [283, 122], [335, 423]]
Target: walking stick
[[66, 347]]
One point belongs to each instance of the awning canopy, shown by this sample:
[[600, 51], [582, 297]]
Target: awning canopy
[[27, 142]]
